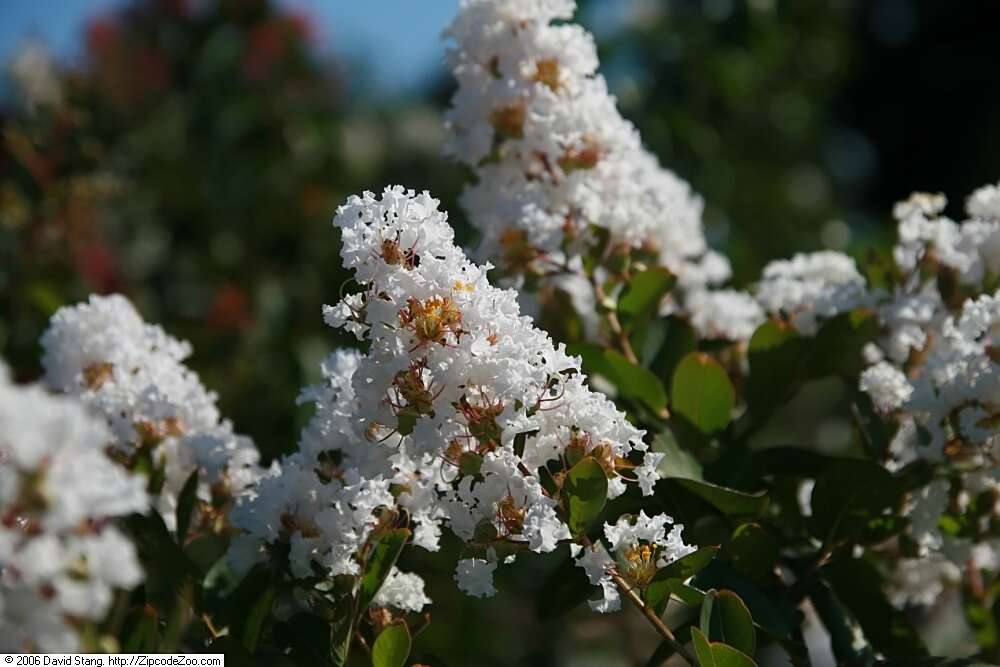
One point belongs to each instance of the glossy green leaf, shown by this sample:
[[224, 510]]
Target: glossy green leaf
[[775, 356], [775, 616], [724, 617], [584, 494], [792, 461], [848, 496], [752, 550], [632, 382], [636, 382], [687, 566], [702, 393], [840, 624], [836, 348], [728, 501], [714, 654], [157, 546], [858, 585], [702, 649], [392, 646], [640, 299], [670, 580], [565, 588], [383, 556], [186, 503], [676, 462], [679, 339], [142, 631], [256, 618]]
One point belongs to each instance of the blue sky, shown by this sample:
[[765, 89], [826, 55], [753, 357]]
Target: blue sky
[[396, 41]]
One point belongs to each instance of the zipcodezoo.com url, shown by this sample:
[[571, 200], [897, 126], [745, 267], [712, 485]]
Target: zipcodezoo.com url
[[119, 660]]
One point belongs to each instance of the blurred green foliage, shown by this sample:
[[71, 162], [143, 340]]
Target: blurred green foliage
[[736, 97], [801, 123], [194, 162]]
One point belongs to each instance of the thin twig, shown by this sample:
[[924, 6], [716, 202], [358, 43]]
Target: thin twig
[[624, 344], [653, 618], [647, 611]]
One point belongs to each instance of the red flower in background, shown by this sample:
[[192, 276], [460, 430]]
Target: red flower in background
[[230, 309]]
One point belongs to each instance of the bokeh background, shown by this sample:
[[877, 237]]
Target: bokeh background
[[190, 154]]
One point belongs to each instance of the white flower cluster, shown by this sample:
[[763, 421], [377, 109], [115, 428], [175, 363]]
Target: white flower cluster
[[724, 314], [936, 370], [61, 557], [934, 367], [811, 287], [553, 158], [132, 373], [448, 417], [641, 546]]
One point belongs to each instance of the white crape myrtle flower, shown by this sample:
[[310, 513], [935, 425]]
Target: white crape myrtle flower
[[887, 386], [960, 374], [921, 581], [322, 520], [811, 287], [641, 545], [971, 248], [553, 157], [403, 591], [132, 373], [984, 203], [460, 399], [61, 557], [935, 368], [474, 577], [725, 314]]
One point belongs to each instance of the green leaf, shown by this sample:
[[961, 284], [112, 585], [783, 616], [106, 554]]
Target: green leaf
[[584, 494], [773, 615], [838, 343], [848, 497], [257, 617], [843, 628], [702, 393], [714, 654], [142, 631], [679, 339], [563, 590], [726, 618], [670, 580], [728, 501], [392, 646], [858, 585], [676, 462], [792, 461], [383, 556], [186, 505], [687, 566], [752, 550], [702, 649], [636, 382], [632, 382], [774, 354], [689, 595], [157, 546], [640, 299]]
